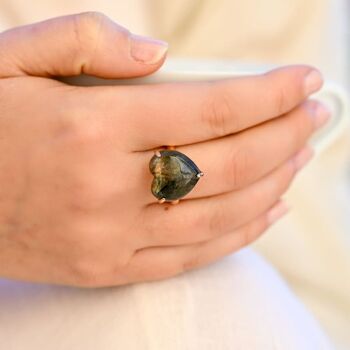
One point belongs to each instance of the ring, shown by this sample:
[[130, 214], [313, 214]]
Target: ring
[[175, 175]]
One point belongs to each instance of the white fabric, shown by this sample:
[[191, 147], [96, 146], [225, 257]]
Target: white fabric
[[311, 247], [237, 303]]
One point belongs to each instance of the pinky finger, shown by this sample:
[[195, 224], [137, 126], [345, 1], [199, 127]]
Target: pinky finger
[[157, 263]]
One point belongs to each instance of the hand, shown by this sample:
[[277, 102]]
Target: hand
[[75, 200]]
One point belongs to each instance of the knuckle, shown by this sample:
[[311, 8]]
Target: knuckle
[[94, 17], [87, 27], [88, 24], [78, 126], [85, 165], [83, 147], [217, 112]]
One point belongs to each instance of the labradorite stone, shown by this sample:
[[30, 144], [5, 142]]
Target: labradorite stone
[[175, 175]]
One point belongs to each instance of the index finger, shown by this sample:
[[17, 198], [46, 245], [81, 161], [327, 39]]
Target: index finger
[[190, 112]]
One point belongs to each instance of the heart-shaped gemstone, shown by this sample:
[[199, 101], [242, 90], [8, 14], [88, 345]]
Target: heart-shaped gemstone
[[175, 175]]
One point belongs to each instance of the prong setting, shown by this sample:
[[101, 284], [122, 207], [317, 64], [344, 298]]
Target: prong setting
[[174, 173]]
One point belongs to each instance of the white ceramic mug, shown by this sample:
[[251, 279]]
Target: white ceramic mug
[[193, 70]]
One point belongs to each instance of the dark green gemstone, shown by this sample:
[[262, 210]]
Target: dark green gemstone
[[175, 175]]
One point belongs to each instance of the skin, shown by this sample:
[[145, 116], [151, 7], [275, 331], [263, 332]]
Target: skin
[[75, 200]]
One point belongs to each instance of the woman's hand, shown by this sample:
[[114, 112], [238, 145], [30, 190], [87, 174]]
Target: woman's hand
[[75, 200]]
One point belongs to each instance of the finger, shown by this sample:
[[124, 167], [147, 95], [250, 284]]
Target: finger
[[236, 161], [88, 43], [207, 218], [160, 262], [185, 113]]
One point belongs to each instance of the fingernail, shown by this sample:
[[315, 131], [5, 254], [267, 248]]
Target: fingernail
[[277, 212], [313, 82], [147, 50], [321, 114], [303, 157]]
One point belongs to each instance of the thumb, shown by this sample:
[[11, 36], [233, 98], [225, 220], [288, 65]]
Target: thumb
[[87, 43]]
